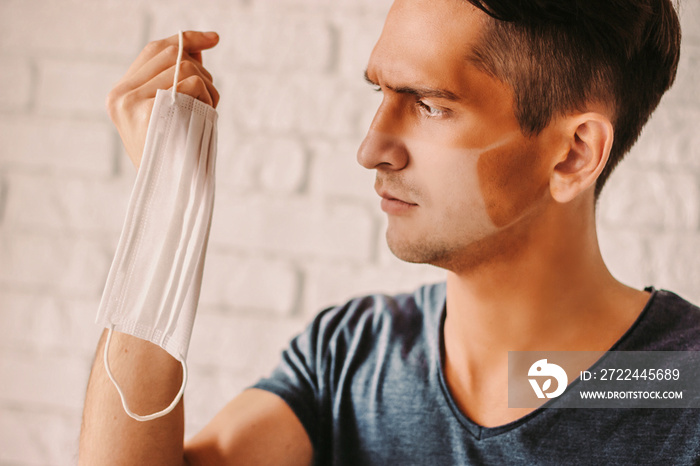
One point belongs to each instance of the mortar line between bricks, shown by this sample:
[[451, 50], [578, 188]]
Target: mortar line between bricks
[[305, 182], [3, 195], [648, 260], [146, 26], [49, 410], [334, 46], [697, 183], [30, 350], [116, 155], [300, 278], [33, 86], [374, 253]]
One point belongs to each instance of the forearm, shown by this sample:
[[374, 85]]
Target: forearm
[[150, 379]]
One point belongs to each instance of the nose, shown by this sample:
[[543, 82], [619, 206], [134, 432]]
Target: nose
[[383, 147]]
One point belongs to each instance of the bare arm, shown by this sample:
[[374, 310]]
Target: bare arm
[[150, 378], [255, 428]]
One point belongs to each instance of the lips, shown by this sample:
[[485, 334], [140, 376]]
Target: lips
[[388, 195], [394, 205]]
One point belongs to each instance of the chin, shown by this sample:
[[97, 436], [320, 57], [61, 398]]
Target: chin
[[417, 251], [458, 258]]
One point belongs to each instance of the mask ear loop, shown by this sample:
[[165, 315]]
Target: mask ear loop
[[180, 49], [128, 411]]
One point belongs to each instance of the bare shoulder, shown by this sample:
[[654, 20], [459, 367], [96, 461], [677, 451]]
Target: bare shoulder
[[255, 428]]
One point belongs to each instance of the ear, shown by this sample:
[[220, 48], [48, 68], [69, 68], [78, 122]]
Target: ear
[[590, 138]]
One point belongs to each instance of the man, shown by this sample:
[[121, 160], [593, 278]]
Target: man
[[500, 123]]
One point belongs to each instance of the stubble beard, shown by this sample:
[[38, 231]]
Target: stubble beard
[[433, 250], [464, 257], [419, 251]]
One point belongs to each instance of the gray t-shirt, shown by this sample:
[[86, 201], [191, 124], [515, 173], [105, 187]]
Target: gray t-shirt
[[366, 381]]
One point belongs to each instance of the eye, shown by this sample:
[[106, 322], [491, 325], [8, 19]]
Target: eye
[[429, 111]]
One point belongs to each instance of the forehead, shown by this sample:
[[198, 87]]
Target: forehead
[[426, 41]]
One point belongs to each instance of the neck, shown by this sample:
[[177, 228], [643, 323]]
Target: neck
[[545, 290], [551, 292]]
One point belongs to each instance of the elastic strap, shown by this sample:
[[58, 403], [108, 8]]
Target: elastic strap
[[180, 49], [149, 417]]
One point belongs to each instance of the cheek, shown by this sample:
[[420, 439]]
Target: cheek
[[456, 201], [510, 181]]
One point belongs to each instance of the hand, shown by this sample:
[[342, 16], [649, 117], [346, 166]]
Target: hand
[[130, 103]]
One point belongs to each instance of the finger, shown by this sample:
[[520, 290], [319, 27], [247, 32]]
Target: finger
[[165, 81], [166, 59], [195, 87], [189, 69], [193, 43], [197, 56]]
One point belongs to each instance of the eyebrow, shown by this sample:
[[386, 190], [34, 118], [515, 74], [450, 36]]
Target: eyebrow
[[421, 92]]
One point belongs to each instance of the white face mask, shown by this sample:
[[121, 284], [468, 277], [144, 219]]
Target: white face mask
[[153, 285]]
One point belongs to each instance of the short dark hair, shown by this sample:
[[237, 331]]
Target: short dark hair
[[559, 55]]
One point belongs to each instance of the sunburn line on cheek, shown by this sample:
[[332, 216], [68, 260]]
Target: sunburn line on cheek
[[418, 170]]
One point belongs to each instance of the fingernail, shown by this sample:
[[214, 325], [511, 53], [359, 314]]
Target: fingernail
[[211, 35]]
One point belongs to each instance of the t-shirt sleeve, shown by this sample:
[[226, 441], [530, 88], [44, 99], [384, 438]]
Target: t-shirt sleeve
[[300, 378], [336, 360]]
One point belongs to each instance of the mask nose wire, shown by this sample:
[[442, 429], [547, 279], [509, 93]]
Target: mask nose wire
[[180, 49]]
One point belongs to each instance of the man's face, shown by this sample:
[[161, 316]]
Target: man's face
[[456, 175]]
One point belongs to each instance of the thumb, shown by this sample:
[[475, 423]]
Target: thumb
[[196, 41]]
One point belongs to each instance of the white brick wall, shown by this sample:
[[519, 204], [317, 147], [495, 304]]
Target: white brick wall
[[297, 225]]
